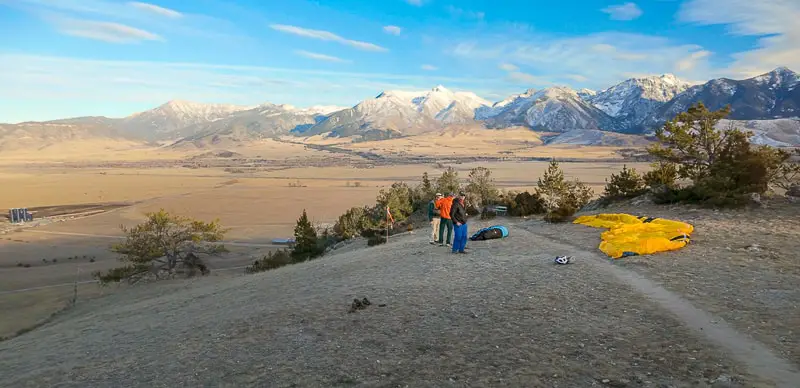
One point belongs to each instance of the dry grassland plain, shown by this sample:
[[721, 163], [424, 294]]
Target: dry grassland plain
[[256, 206]]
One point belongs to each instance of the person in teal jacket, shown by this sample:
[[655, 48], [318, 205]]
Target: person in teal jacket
[[435, 219]]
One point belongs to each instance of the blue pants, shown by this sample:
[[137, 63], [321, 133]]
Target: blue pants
[[459, 238]]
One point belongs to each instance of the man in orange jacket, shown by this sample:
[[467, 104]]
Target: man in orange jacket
[[444, 205]]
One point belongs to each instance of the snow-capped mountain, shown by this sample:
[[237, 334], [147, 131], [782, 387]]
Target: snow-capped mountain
[[585, 94], [768, 96], [633, 101], [768, 104], [395, 113], [170, 119], [555, 109]]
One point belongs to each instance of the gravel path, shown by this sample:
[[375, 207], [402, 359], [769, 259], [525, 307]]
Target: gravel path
[[503, 315]]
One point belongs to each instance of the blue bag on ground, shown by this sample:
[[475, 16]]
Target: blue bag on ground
[[490, 233]]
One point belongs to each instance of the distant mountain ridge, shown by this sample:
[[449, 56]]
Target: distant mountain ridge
[[634, 106]]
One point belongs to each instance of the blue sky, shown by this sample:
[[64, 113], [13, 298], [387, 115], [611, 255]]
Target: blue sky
[[66, 58]]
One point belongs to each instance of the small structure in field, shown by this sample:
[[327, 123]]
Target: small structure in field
[[19, 215]]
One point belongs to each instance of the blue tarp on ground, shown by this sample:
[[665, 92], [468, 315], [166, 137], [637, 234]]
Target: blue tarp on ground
[[492, 232]]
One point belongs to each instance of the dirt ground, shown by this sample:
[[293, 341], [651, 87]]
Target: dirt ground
[[742, 265], [502, 315]]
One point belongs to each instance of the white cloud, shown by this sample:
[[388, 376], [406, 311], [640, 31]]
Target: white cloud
[[327, 36], [690, 61], [415, 2], [508, 67], [602, 58], [627, 11], [393, 30], [156, 9], [103, 31], [463, 13], [517, 76], [139, 15], [775, 21], [577, 77], [320, 57], [429, 67]]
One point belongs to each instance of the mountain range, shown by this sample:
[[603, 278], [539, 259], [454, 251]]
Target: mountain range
[[768, 104]]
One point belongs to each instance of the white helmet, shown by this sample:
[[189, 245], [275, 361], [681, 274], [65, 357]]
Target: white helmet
[[563, 259]]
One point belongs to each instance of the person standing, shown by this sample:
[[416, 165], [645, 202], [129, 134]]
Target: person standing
[[444, 205], [435, 218], [458, 215]]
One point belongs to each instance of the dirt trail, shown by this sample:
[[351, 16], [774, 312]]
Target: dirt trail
[[758, 358]]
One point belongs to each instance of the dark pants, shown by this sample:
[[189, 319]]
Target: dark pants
[[460, 238], [446, 224]]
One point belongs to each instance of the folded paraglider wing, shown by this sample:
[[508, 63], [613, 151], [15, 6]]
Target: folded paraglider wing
[[629, 235]]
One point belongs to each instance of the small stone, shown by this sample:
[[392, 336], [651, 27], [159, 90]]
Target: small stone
[[606, 381]]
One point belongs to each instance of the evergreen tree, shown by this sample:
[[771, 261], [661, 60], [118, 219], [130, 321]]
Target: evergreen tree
[[481, 187], [448, 182], [306, 245]]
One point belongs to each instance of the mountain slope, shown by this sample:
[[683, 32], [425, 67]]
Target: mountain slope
[[398, 113], [39, 136], [264, 121], [171, 119], [555, 109], [633, 101], [768, 96]]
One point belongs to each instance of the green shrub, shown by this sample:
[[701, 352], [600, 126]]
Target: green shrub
[[526, 204], [376, 239], [272, 260], [627, 184], [398, 198], [561, 198], [353, 222], [661, 174]]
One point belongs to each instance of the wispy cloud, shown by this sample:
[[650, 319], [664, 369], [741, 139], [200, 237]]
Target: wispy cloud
[[415, 2], [103, 31], [775, 21], [691, 60], [463, 13], [393, 30], [577, 77], [161, 11], [139, 15], [320, 57], [525, 78], [626, 11], [429, 67], [602, 58], [327, 36], [508, 67]]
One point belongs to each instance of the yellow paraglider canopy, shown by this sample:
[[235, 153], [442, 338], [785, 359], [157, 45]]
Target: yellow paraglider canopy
[[629, 235]]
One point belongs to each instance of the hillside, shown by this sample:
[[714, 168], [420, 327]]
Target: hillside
[[39, 136], [503, 315]]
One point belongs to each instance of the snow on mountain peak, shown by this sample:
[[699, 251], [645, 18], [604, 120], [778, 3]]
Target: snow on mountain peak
[[636, 98], [779, 76]]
